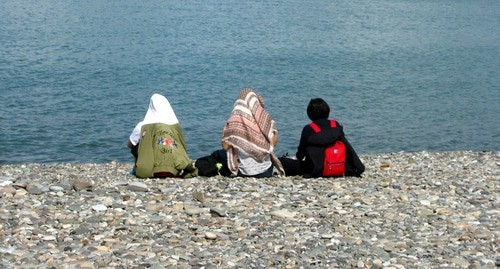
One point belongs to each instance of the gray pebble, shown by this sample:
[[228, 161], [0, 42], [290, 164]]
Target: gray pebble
[[422, 210]]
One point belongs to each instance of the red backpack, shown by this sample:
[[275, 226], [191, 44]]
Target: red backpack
[[334, 163]]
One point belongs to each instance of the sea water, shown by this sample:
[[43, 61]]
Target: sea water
[[76, 76]]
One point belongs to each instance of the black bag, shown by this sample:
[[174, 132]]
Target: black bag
[[213, 164], [207, 166]]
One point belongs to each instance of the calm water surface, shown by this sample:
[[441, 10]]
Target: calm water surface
[[76, 76]]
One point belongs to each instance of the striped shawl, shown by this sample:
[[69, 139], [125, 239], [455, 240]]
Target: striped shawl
[[250, 129]]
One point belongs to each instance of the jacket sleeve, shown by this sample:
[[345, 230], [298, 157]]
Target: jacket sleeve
[[301, 150], [354, 166], [317, 155], [181, 158], [145, 155]]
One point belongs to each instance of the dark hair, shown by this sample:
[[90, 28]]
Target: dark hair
[[318, 109]]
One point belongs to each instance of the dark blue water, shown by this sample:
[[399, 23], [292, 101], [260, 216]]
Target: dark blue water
[[76, 76]]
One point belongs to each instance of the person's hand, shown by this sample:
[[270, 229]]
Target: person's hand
[[275, 137]]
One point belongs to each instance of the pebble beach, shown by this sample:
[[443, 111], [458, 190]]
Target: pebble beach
[[409, 210]]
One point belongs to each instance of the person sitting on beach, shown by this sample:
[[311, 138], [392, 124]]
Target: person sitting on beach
[[157, 143], [249, 137], [315, 138]]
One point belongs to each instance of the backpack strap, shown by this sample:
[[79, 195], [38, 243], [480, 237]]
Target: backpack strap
[[316, 128]]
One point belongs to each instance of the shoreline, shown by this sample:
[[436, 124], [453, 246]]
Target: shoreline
[[409, 210]]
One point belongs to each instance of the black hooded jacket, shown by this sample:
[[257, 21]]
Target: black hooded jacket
[[312, 149]]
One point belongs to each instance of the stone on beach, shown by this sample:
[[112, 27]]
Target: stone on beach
[[410, 210], [138, 186], [83, 184]]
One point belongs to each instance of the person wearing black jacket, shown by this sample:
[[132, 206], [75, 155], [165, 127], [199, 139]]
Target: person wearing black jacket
[[310, 153]]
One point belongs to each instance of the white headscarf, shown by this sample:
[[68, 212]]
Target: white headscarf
[[160, 111]]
